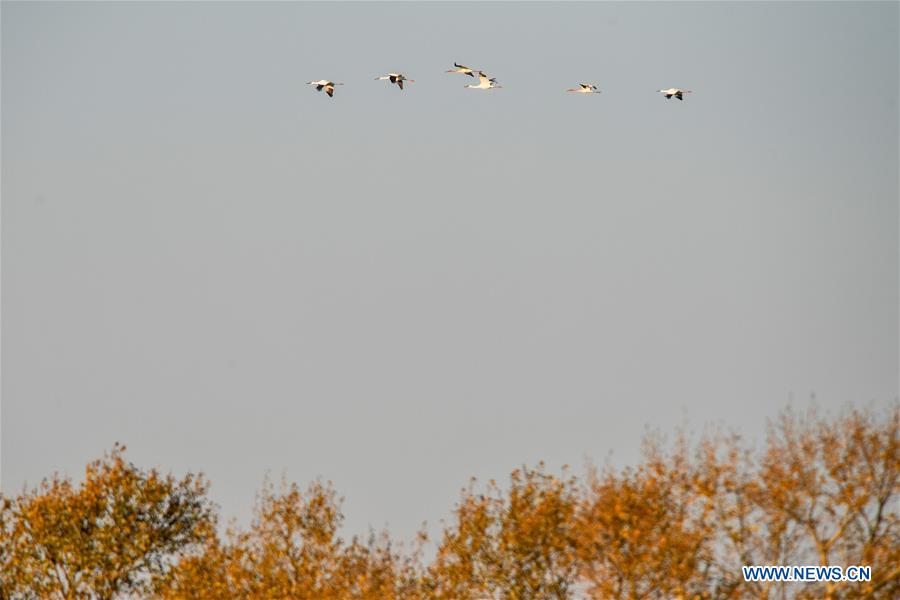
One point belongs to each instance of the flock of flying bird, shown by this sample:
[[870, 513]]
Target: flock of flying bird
[[484, 83]]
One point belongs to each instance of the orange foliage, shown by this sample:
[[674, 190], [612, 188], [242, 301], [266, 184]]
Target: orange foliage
[[109, 537], [648, 532], [828, 494], [678, 525], [292, 550], [515, 545]]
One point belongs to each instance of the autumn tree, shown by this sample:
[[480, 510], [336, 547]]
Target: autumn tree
[[109, 537], [679, 524], [822, 492], [293, 550], [828, 492], [647, 531], [517, 545], [727, 474]]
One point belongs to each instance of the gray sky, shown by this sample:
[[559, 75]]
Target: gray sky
[[207, 260]]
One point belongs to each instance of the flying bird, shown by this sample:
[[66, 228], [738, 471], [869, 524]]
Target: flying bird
[[677, 92], [586, 88], [462, 69], [397, 78], [324, 84], [484, 82]]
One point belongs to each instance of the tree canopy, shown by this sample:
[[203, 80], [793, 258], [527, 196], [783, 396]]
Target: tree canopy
[[679, 524]]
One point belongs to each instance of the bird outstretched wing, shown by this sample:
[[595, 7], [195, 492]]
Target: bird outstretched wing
[[468, 70]]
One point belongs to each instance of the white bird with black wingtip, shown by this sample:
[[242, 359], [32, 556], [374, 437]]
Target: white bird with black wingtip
[[484, 82], [397, 78], [677, 92], [458, 68], [585, 88], [324, 84]]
